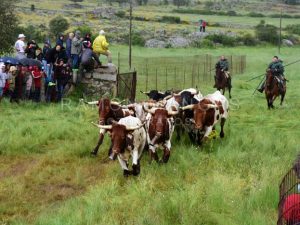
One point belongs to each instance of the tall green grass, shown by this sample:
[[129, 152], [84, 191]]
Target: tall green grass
[[49, 177]]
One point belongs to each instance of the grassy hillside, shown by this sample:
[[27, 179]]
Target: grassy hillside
[[46, 10], [48, 177]]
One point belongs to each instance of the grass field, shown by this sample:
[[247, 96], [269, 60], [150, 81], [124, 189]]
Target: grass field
[[48, 177]]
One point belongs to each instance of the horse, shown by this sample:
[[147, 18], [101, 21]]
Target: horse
[[223, 81], [272, 89]]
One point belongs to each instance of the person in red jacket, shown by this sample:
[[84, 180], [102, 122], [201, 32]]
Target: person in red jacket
[[204, 25], [37, 80]]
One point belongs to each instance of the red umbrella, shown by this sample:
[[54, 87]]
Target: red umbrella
[[291, 208]]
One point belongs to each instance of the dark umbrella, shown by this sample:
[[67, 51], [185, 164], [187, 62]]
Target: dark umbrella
[[31, 62], [10, 60]]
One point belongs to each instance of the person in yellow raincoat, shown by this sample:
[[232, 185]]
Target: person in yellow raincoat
[[100, 46]]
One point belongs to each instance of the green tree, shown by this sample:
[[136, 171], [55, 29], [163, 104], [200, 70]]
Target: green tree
[[58, 25], [266, 32], [8, 24]]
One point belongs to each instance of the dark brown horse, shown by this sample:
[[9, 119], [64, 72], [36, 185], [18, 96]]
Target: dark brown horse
[[223, 81], [272, 89]]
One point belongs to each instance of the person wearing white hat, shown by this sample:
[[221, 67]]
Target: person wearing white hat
[[20, 47], [100, 46]]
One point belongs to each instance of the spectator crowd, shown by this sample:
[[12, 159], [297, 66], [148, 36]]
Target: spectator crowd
[[53, 68]]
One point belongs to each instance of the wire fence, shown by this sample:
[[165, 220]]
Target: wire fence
[[165, 73]]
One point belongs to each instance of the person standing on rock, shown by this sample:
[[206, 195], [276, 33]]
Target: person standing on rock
[[20, 47], [68, 47], [76, 50], [200, 25], [100, 46], [204, 25]]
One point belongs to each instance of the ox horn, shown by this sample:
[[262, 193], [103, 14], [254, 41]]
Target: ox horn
[[144, 92], [167, 97], [152, 110], [187, 107], [106, 127], [134, 128], [211, 106], [173, 113], [115, 103], [91, 103]]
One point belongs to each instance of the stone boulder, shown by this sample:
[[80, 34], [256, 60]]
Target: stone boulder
[[154, 43], [287, 42], [178, 42]]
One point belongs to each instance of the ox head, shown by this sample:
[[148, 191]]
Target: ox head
[[159, 118], [203, 112], [157, 95], [105, 107], [120, 137], [185, 98]]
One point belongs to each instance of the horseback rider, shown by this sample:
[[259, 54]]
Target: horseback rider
[[222, 65], [277, 70]]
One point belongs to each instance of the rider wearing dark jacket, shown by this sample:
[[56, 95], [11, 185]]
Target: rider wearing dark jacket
[[222, 65], [277, 69]]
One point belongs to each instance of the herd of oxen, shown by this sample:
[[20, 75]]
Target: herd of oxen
[[150, 124]]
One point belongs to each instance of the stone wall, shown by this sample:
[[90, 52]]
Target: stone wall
[[100, 82]]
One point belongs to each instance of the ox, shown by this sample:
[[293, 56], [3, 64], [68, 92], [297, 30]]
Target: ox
[[157, 95], [183, 98], [127, 136], [160, 127], [108, 111], [210, 110]]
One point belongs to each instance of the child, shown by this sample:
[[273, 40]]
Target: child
[[59, 78], [39, 54], [37, 80]]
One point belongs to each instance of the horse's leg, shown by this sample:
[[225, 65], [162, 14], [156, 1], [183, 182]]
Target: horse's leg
[[229, 90], [282, 98], [224, 90], [268, 101]]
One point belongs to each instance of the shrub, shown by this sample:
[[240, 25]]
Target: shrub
[[231, 13], [222, 39], [137, 39], [171, 19], [279, 15], [84, 29], [58, 25], [255, 14], [293, 29], [266, 32], [205, 43], [121, 14], [248, 39]]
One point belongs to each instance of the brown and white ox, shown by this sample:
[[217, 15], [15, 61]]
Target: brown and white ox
[[207, 113], [108, 111], [128, 138], [160, 127]]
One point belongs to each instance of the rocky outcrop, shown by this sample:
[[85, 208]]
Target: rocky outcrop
[[178, 42]]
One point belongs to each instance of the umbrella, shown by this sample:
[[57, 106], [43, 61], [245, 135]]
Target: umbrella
[[31, 62], [10, 60]]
